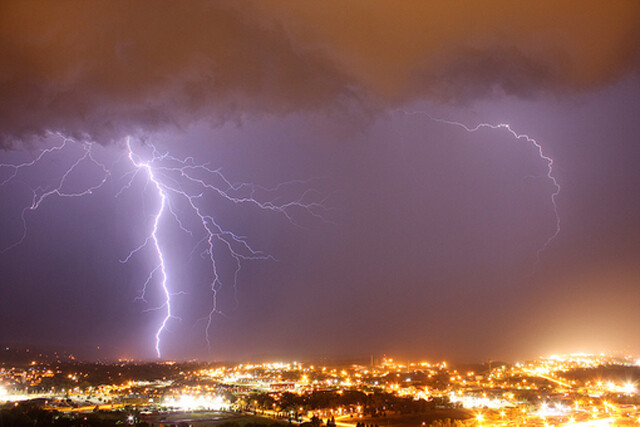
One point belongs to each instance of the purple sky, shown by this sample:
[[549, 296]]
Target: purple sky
[[429, 248]]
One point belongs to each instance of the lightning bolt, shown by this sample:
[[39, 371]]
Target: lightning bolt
[[40, 194], [518, 136], [172, 179], [153, 238]]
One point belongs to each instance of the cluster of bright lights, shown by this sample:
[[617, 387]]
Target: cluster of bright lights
[[603, 422], [562, 361], [470, 401], [624, 388], [493, 401], [194, 403], [5, 396], [552, 410]]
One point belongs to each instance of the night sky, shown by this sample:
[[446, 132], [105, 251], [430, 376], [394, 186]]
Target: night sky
[[427, 245]]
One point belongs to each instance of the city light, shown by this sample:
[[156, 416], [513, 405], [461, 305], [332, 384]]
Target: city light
[[543, 391], [192, 403]]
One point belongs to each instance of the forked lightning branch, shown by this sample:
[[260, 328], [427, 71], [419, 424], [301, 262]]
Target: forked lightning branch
[[171, 179]]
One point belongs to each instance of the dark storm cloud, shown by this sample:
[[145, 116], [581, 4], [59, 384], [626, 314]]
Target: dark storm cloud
[[104, 69], [110, 68]]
